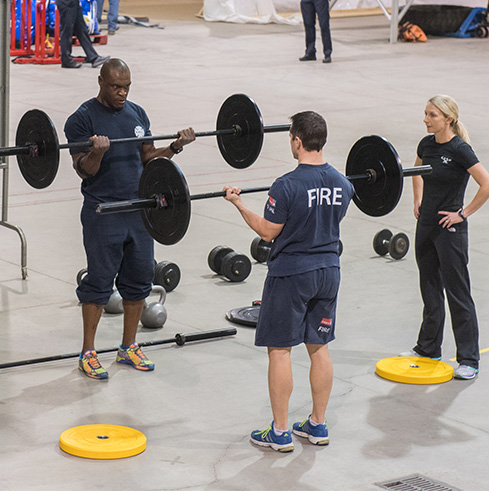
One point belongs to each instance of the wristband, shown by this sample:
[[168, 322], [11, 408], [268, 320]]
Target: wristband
[[461, 214], [175, 150]]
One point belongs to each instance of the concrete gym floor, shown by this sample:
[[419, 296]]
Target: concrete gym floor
[[202, 401]]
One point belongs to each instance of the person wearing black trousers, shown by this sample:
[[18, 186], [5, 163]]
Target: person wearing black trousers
[[441, 243], [309, 9], [71, 24]]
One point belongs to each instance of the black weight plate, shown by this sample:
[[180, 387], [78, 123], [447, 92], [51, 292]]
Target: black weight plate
[[398, 246], [380, 196], [260, 249], [381, 242], [340, 248], [240, 150], [39, 169], [247, 316], [167, 225], [167, 275], [235, 266], [214, 259]]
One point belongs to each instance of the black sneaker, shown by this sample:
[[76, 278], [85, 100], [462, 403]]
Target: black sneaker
[[100, 60], [71, 64], [308, 58]]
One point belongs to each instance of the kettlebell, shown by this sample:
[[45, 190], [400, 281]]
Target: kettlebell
[[114, 305], [154, 314]]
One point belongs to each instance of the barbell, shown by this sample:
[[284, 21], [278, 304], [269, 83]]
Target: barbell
[[239, 132], [373, 166]]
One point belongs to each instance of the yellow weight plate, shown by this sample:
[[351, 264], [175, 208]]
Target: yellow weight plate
[[414, 370], [102, 441]]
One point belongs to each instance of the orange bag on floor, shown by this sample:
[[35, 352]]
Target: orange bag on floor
[[412, 33]]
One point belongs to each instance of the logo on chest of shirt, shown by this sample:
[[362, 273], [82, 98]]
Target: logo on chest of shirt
[[446, 160], [139, 131]]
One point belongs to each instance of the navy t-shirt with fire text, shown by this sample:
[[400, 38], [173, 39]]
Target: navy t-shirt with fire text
[[311, 201]]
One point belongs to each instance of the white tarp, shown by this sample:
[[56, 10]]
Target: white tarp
[[269, 11]]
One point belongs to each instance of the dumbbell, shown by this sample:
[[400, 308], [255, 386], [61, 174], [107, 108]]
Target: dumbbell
[[260, 249], [397, 246], [167, 275], [225, 261], [154, 314]]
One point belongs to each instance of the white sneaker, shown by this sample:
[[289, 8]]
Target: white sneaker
[[411, 352], [465, 372]]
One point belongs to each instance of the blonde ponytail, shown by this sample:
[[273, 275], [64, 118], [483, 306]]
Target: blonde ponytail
[[449, 108]]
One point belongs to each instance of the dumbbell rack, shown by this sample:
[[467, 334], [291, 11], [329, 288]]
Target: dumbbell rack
[[4, 119]]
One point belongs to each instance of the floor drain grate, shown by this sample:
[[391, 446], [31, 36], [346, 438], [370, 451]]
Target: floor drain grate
[[415, 482]]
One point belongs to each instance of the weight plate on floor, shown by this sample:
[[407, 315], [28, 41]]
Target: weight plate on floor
[[379, 195], [102, 441], [381, 242], [246, 316], [169, 224], [414, 370], [214, 259], [242, 149], [235, 266], [167, 275], [398, 246], [39, 168], [260, 249]]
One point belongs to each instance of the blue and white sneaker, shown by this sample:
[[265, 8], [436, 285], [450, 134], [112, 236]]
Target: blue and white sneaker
[[465, 372], [268, 438], [411, 352], [317, 435]]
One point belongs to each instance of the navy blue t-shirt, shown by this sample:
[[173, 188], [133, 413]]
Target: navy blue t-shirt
[[444, 188], [121, 167], [311, 201]]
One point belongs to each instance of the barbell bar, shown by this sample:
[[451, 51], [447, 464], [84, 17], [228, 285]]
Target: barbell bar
[[239, 131], [180, 339], [373, 166]]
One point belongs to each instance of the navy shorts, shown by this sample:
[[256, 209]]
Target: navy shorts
[[116, 245], [298, 309]]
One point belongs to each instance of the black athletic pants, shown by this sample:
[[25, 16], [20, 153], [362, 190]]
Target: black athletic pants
[[442, 257], [71, 23], [309, 10]]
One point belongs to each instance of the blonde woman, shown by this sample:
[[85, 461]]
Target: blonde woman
[[442, 234]]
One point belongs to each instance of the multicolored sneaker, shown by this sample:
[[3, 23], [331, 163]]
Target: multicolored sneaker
[[318, 435], [268, 438], [135, 357], [90, 366]]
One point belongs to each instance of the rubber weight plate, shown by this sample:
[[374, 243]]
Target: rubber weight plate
[[40, 168], [398, 246], [246, 316], [167, 225], [260, 249], [167, 275], [235, 266], [381, 242], [240, 150], [380, 195], [414, 370], [214, 259], [101, 441]]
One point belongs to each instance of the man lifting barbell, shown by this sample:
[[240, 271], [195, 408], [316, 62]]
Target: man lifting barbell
[[117, 247], [302, 216]]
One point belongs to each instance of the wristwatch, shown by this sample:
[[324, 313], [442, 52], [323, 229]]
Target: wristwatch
[[175, 150], [461, 214]]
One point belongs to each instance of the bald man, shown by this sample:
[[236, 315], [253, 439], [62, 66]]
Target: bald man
[[118, 247]]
